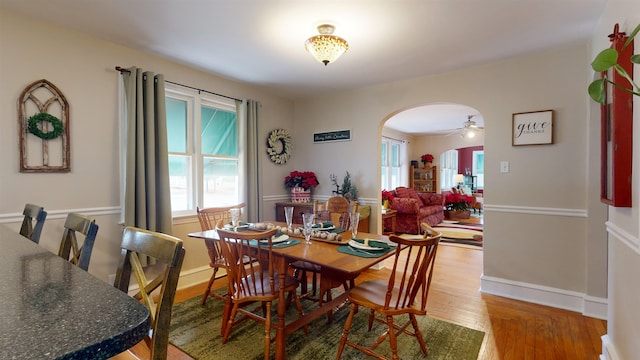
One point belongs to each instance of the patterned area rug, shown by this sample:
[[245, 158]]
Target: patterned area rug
[[196, 330], [456, 232]]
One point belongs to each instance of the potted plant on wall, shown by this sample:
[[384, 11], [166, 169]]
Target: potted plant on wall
[[301, 183]]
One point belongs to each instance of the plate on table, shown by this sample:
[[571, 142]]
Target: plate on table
[[324, 228], [362, 246], [230, 227], [281, 238]]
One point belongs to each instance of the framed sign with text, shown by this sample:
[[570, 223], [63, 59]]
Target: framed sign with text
[[340, 135], [532, 128]]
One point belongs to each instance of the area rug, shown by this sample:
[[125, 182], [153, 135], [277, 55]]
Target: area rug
[[456, 232], [195, 330]]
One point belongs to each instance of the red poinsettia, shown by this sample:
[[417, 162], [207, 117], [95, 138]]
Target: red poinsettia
[[304, 179], [458, 201], [387, 195], [426, 158]]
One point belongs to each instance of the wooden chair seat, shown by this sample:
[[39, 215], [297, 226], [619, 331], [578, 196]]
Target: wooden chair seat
[[405, 292], [253, 281]]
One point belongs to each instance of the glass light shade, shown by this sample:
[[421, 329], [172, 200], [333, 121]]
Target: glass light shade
[[326, 48]]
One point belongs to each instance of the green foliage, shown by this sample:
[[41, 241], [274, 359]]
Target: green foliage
[[348, 190], [606, 60]]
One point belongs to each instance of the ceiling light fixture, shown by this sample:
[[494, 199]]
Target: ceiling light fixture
[[326, 47]]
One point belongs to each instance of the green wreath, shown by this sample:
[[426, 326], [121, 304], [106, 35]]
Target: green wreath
[[37, 119], [275, 137]]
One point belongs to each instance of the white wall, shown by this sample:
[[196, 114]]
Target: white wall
[[82, 67], [536, 216], [623, 227]]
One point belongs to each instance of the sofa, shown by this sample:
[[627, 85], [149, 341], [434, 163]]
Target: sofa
[[414, 208]]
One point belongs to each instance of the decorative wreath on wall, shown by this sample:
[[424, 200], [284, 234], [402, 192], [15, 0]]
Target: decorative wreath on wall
[[35, 120], [279, 139]]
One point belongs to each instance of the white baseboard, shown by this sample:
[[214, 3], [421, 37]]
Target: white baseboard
[[608, 350], [544, 295]]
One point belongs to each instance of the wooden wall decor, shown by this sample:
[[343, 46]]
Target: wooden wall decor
[[43, 125]]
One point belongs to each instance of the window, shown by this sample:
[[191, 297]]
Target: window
[[478, 168], [391, 163], [203, 142], [448, 168]]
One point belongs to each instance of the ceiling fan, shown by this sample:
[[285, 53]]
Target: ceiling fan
[[469, 129]]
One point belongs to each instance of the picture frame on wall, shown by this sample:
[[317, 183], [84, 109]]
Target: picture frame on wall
[[532, 128]]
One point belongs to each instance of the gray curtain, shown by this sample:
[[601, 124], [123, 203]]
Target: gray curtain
[[147, 192], [254, 165]]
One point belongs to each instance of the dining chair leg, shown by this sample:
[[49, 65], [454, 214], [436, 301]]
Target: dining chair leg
[[345, 331], [300, 311], [267, 331], [393, 340], [416, 329], [209, 286], [226, 310]]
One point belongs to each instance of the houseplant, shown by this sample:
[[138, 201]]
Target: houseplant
[[301, 183], [387, 199], [426, 158], [457, 206], [348, 190], [607, 59]]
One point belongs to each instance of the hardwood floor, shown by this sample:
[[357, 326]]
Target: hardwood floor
[[514, 329]]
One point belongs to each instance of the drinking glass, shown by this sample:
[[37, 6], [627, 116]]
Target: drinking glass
[[355, 218], [235, 218], [288, 214], [307, 222]]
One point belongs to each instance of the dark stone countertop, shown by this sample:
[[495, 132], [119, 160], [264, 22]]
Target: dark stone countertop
[[51, 309]]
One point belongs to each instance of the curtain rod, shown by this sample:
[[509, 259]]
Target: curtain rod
[[121, 70]]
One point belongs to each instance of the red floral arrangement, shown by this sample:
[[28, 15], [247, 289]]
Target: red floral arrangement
[[458, 201], [304, 179], [426, 158], [387, 195]]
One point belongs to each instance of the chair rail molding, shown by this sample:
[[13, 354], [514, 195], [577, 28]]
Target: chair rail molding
[[532, 210]]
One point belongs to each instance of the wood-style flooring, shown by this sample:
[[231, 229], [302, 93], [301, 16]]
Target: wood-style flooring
[[514, 329]]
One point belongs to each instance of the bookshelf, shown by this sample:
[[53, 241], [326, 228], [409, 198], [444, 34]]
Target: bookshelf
[[424, 179]]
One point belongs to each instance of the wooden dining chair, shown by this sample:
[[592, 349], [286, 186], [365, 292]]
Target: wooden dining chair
[[253, 281], [215, 218], [69, 249], [405, 292], [168, 252], [336, 209], [28, 229]]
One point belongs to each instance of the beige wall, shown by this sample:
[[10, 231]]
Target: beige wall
[[623, 226], [82, 67], [536, 215]]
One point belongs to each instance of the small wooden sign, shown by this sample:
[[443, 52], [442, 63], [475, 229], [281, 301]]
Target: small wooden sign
[[340, 135]]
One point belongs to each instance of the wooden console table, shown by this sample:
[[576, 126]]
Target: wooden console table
[[299, 208]]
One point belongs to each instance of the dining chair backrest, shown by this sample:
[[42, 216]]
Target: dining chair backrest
[[213, 218], [216, 217], [249, 264], [168, 251], [412, 269], [69, 248], [28, 229], [336, 209]]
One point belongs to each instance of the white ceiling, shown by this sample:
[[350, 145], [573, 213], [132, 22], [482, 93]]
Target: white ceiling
[[262, 41]]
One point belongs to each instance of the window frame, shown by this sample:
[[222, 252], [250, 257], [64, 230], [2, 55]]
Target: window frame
[[195, 101], [400, 168]]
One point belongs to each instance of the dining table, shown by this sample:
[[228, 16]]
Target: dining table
[[326, 255], [52, 309]]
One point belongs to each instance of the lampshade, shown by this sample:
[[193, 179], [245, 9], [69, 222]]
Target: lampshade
[[458, 178], [326, 48]]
